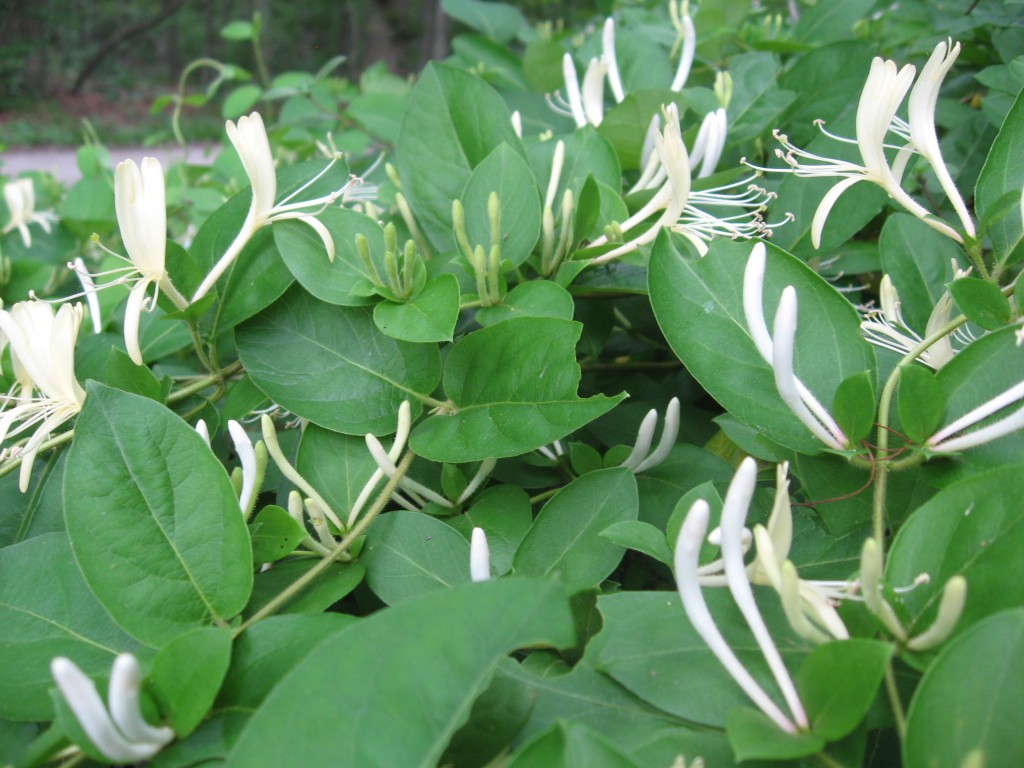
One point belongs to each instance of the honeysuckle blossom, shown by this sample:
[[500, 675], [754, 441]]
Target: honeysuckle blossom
[[638, 459], [479, 556], [20, 196], [958, 435], [684, 210], [687, 553], [43, 350], [883, 93], [777, 351], [118, 730], [249, 138]]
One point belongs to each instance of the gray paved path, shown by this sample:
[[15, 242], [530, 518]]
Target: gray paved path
[[60, 161]]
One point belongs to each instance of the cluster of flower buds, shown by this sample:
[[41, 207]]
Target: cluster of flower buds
[[485, 262]]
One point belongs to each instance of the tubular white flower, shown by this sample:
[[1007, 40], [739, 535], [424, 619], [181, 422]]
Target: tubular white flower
[[871, 582], [950, 440], [687, 553], [247, 458], [800, 399], [482, 473], [592, 91], [479, 556], [638, 459], [608, 57], [572, 90], [20, 196], [921, 111], [385, 463], [43, 346], [203, 431], [401, 437], [687, 35], [122, 735], [710, 142], [734, 513], [951, 607], [249, 138]]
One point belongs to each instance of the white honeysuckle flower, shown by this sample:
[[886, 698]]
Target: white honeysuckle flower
[[203, 431], [249, 138], [793, 392], [710, 142], [686, 37], [610, 60], [883, 92], [43, 346], [89, 288], [554, 452], [121, 733], [482, 473], [20, 196], [687, 553], [638, 459], [953, 438], [402, 431], [479, 556], [517, 123], [412, 487], [247, 458]]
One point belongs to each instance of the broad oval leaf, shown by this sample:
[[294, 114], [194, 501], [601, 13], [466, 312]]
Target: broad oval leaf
[[565, 539], [966, 709], [46, 610], [513, 388], [699, 306], [153, 519], [1001, 174], [331, 365], [417, 667]]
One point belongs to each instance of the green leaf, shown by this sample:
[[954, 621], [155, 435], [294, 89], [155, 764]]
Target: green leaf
[[513, 387], [275, 534], [412, 695], [964, 711], [429, 316], [327, 589], [830, 22], [565, 538], [504, 512], [409, 553], [571, 745], [331, 365], [153, 519], [46, 610], [123, 373], [1001, 174], [237, 30], [337, 465], [505, 172], [917, 260], [537, 298], [838, 681], [499, 21], [921, 403], [854, 406], [187, 674], [754, 736], [974, 528], [641, 537], [648, 646], [497, 717], [981, 302], [699, 306], [240, 101], [339, 281], [454, 121], [757, 102], [588, 154]]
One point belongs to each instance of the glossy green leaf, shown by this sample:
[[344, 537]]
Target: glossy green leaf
[[409, 553], [343, 280], [414, 691], [699, 307], [275, 534], [337, 465], [1001, 174], [187, 674], [504, 512], [331, 365], [497, 716], [921, 403], [754, 736], [573, 746], [499, 21], [981, 302], [964, 711], [565, 538], [641, 537], [757, 102], [453, 122], [429, 316], [648, 646], [537, 298], [327, 589], [854, 406], [974, 528], [46, 610], [505, 172], [513, 387], [153, 519], [838, 681]]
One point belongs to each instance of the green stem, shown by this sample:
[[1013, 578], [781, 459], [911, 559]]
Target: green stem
[[206, 381], [354, 533], [827, 760], [894, 701]]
